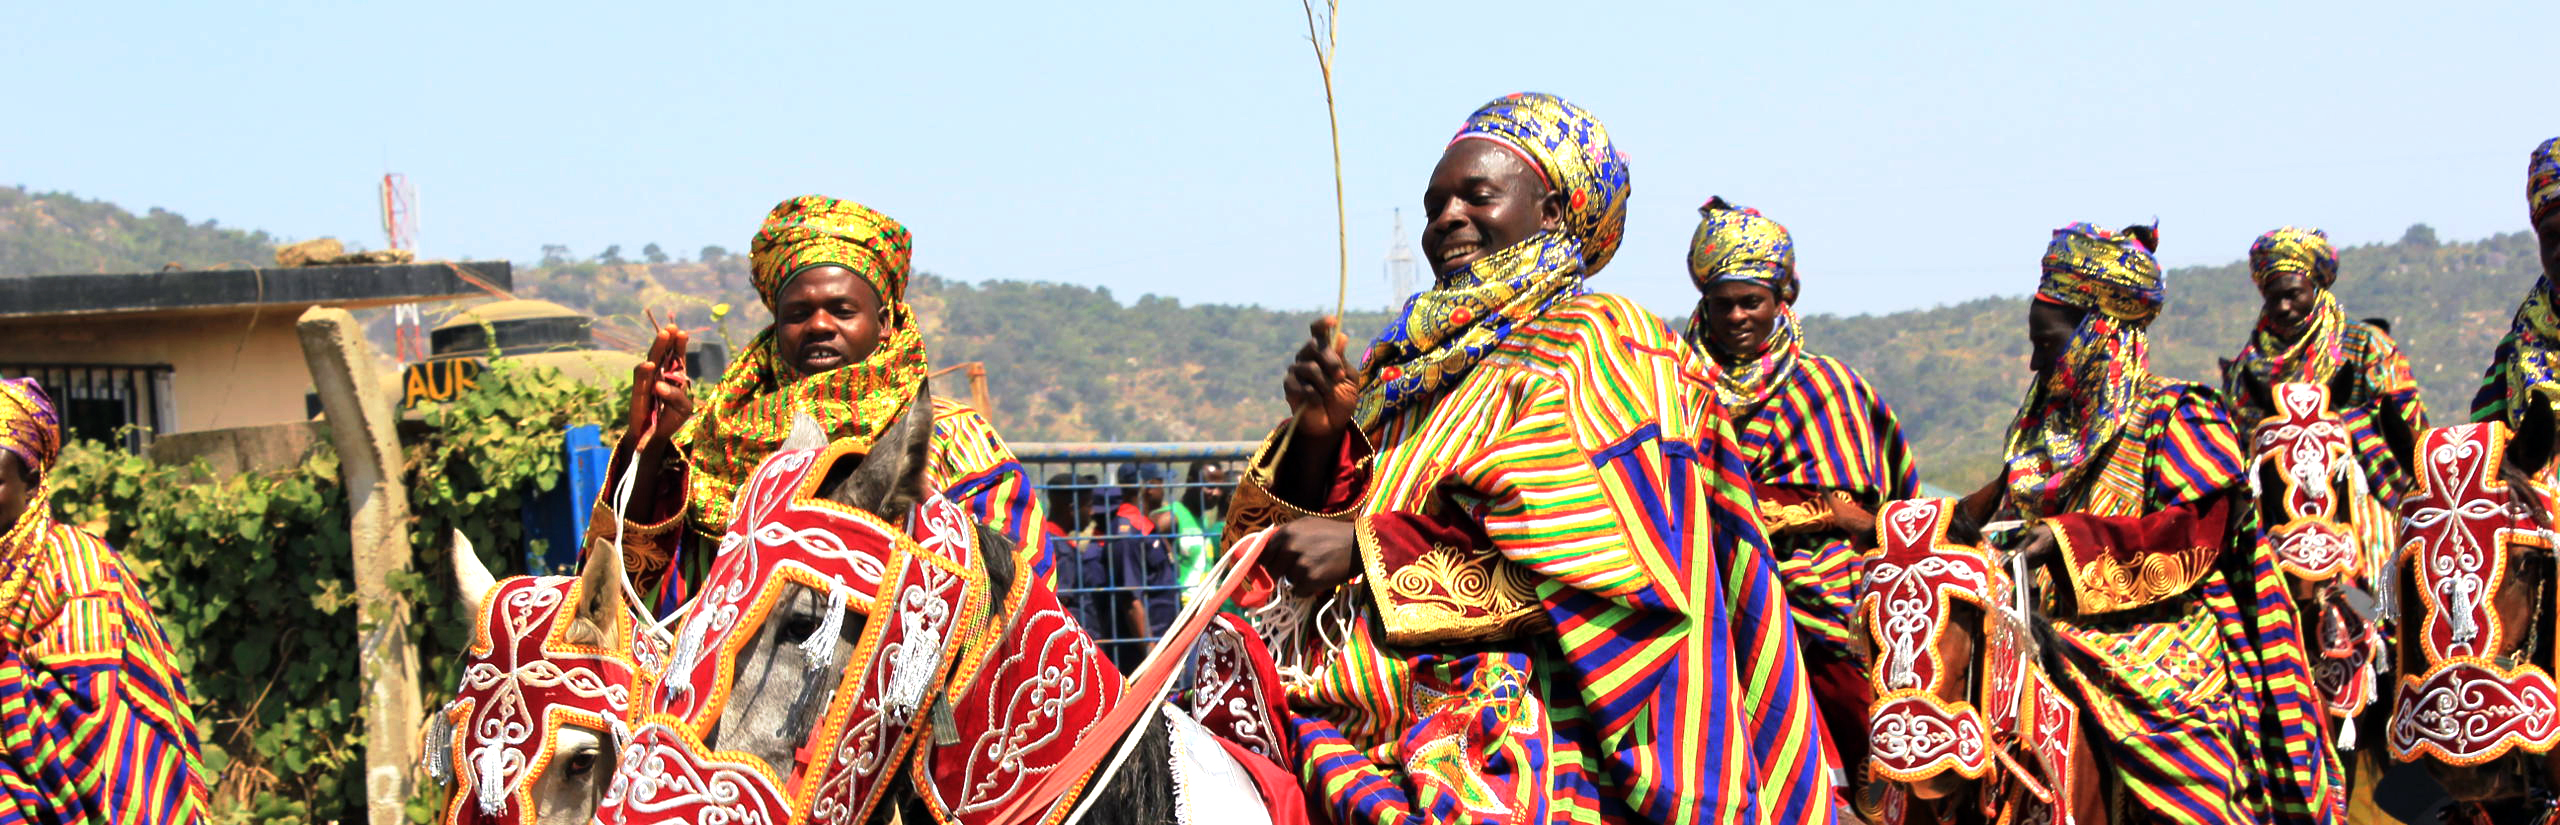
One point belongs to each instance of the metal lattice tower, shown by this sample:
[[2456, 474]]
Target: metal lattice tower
[[400, 231], [1402, 269]]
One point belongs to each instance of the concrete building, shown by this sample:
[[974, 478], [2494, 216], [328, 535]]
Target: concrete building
[[190, 350]]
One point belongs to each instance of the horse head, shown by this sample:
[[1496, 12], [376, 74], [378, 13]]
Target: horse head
[[1963, 706], [532, 733], [2476, 701]]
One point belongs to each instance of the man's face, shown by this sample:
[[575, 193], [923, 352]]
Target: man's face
[[1151, 492], [827, 317], [16, 484], [1740, 316], [2049, 328], [1213, 485], [2547, 230], [1482, 199], [2289, 298]]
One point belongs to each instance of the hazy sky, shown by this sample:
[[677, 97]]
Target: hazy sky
[[1919, 154]]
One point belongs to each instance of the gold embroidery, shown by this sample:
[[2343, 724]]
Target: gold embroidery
[[1449, 594], [2105, 585], [1253, 506], [1812, 513]]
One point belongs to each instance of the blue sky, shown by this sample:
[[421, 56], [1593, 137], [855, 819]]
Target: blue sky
[[1921, 154]]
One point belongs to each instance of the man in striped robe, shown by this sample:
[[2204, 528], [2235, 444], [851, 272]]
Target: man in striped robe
[[1825, 451], [1541, 592], [94, 721], [2526, 356], [2177, 636]]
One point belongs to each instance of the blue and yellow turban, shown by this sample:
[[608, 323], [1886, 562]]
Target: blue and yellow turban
[[1735, 243], [2094, 269], [813, 230], [2294, 250], [2542, 179], [29, 427], [1572, 151]]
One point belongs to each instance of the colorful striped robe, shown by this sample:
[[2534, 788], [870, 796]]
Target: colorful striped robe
[[2380, 393], [1572, 612], [1826, 430], [94, 720], [2178, 635], [967, 461]]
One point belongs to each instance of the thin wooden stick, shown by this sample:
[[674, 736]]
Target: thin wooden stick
[[1324, 48]]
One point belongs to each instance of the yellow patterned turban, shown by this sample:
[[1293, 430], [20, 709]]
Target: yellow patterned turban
[[2294, 250], [2094, 269], [1572, 151], [1735, 243], [29, 428], [2542, 179], [812, 230]]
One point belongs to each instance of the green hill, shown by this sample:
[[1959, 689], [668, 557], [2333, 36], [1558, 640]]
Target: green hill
[[1075, 363], [52, 233]]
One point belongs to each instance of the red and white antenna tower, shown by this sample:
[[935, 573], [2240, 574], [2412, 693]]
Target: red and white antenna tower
[[400, 230]]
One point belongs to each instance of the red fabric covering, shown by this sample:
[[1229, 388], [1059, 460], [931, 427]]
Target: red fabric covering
[[2121, 562]]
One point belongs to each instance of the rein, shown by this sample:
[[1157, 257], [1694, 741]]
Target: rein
[[1144, 690]]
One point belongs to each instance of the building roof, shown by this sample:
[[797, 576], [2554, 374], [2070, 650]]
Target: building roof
[[189, 291]]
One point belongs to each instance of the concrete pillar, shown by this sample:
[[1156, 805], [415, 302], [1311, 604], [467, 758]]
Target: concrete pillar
[[360, 423]]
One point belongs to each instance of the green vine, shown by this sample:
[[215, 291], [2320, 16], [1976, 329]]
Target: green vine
[[252, 578]]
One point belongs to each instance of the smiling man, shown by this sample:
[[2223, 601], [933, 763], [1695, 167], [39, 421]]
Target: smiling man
[[2526, 356], [844, 349], [1825, 451]]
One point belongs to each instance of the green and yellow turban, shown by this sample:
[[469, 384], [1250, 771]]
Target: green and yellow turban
[[2094, 269], [2294, 250], [2542, 180], [29, 427], [1737, 243], [750, 409], [811, 230]]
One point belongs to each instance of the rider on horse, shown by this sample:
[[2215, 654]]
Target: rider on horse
[[1543, 591], [845, 349], [1825, 451], [2305, 336], [2526, 356], [98, 727], [2176, 632]]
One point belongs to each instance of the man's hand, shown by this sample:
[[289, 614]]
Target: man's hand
[[1846, 514], [1318, 383], [2039, 545], [661, 392], [1314, 554]]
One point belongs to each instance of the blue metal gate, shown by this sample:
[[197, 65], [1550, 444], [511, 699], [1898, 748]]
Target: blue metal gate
[[1125, 522]]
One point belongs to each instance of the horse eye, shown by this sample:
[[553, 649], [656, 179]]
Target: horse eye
[[798, 627], [582, 763]]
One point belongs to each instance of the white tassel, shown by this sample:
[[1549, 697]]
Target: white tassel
[[819, 650], [491, 792]]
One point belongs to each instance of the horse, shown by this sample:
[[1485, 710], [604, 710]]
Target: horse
[[1964, 706], [2475, 701], [862, 651], [534, 728], [2331, 534]]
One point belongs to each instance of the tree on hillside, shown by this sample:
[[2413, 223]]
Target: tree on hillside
[[611, 255], [653, 254], [554, 254], [713, 253], [56, 233]]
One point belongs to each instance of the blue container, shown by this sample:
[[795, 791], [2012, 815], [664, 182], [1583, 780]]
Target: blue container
[[558, 518]]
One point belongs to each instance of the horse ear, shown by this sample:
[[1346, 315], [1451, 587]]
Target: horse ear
[[600, 599], [805, 433], [2538, 431], [470, 577]]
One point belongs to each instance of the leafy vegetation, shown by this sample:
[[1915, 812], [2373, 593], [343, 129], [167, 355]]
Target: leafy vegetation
[[252, 578]]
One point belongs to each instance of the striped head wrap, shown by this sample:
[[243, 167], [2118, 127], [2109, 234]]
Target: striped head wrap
[[2080, 405], [29, 427], [1441, 332], [2294, 250], [2542, 180], [750, 410], [812, 231], [1735, 243]]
